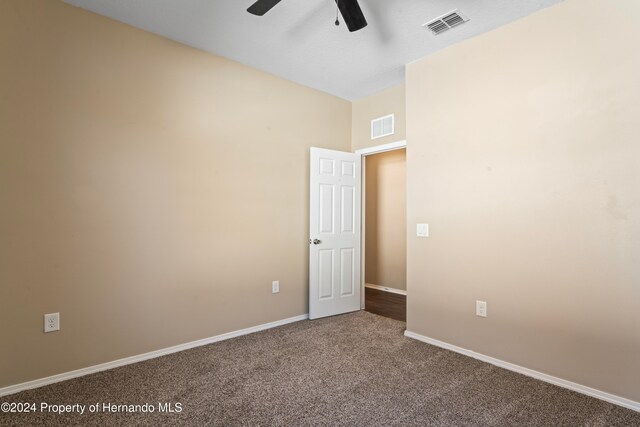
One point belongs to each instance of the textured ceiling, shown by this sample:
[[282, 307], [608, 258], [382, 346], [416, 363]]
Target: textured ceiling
[[298, 41]]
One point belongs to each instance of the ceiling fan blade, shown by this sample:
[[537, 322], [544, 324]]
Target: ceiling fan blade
[[261, 7], [352, 14]]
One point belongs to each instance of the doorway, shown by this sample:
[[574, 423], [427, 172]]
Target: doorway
[[384, 231], [337, 235]]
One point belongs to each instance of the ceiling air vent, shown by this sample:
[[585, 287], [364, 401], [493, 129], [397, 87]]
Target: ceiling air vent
[[446, 21], [382, 126]]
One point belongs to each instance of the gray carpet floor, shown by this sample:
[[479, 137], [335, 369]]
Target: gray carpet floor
[[353, 370]]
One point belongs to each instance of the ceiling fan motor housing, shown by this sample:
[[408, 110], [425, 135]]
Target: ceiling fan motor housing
[[350, 10]]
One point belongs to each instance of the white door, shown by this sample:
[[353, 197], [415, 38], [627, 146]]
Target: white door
[[334, 238]]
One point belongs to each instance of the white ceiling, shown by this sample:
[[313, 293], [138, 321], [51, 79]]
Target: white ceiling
[[298, 41]]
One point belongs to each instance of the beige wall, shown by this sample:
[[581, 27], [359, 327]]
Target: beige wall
[[523, 156], [149, 192], [386, 220], [388, 101]]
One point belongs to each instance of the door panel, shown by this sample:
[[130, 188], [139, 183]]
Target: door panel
[[348, 272], [325, 271], [326, 209], [347, 219], [334, 253]]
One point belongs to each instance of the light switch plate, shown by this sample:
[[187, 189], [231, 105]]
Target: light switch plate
[[481, 308], [52, 322], [422, 230]]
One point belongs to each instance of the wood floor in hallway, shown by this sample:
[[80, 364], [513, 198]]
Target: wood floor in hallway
[[386, 304]]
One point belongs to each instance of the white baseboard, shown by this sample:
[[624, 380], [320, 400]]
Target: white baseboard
[[145, 356], [607, 397], [386, 289]]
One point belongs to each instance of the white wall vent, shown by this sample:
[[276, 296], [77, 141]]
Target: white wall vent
[[382, 126], [446, 21]]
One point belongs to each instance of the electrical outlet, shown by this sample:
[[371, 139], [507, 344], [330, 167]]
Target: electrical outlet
[[52, 322], [275, 286], [481, 308], [422, 230]]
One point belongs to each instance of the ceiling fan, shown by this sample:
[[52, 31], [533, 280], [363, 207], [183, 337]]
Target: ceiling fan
[[350, 10]]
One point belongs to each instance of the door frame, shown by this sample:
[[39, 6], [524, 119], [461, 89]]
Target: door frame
[[360, 155]]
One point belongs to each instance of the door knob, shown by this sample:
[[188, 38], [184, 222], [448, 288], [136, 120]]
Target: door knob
[[316, 241]]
